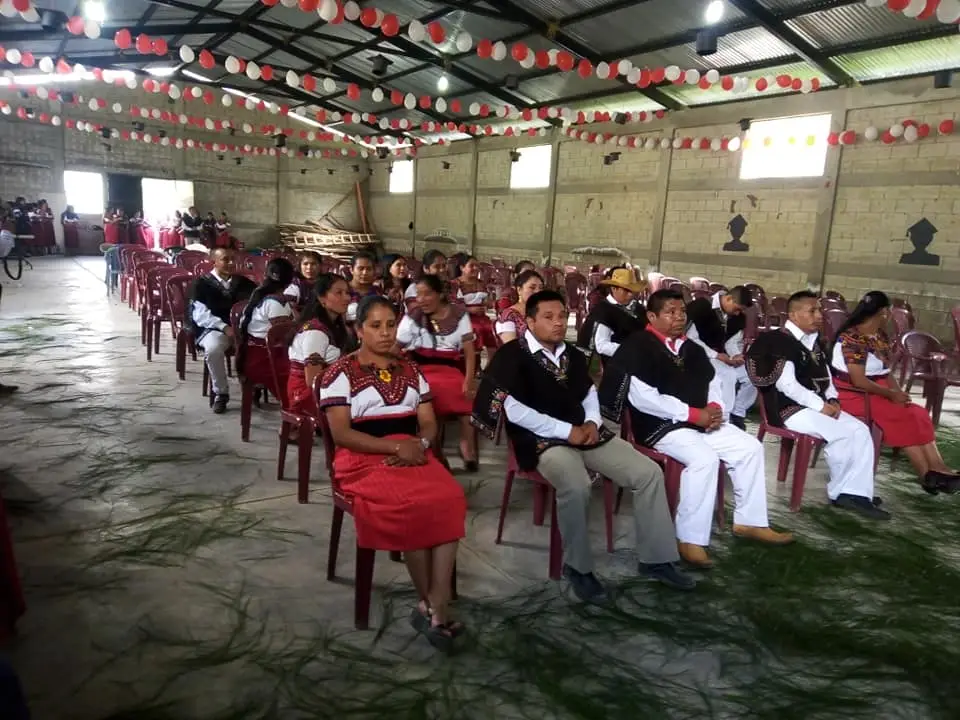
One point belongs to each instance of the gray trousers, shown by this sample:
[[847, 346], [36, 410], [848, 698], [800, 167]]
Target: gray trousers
[[215, 345], [566, 469]]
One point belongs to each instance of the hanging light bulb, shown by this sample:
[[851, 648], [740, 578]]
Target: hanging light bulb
[[443, 84], [714, 12]]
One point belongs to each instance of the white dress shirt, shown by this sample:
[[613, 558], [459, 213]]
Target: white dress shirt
[[647, 399], [541, 424], [788, 384], [603, 335], [202, 316]]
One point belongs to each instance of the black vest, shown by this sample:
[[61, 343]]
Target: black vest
[[765, 362], [713, 325], [218, 298], [618, 318]]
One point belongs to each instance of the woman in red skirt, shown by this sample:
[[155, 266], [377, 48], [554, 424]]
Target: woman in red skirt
[[511, 322], [321, 340], [861, 369], [472, 293], [381, 417], [439, 336]]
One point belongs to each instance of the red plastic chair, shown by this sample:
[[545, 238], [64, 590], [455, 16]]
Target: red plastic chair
[[156, 309], [925, 359], [202, 267], [699, 283], [235, 312], [955, 313], [717, 287], [804, 444], [188, 259], [300, 426], [777, 315], [140, 292], [552, 277], [124, 254], [833, 319], [134, 256], [254, 266], [178, 289], [575, 284]]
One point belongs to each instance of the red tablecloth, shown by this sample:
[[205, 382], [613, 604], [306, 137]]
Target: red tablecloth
[[71, 235], [170, 237], [111, 233], [43, 235]]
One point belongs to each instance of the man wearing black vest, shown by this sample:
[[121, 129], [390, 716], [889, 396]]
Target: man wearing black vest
[[613, 318], [542, 386], [211, 298], [676, 408], [793, 374], [717, 326]]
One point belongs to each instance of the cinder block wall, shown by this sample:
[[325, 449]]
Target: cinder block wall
[[257, 194], [668, 210]]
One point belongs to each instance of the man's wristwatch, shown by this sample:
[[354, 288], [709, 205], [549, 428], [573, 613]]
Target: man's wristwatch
[[424, 443]]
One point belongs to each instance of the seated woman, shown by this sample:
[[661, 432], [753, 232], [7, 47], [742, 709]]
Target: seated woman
[[613, 318], [860, 363], [512, 323], [70, 221], [472, 293], [321, 339], [301, 290], [266, 306], [434, 263], [363, 268], [394, 283], [439, 336], [380, 414]]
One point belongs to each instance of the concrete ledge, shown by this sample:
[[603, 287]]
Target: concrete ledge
[[744, 260]]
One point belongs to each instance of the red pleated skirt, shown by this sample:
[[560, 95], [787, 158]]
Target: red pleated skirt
[[483, 329], [401, 508], [446, 387], [111, 234], [300, 396], [71, 235], [170, 238], [256, 369], [224, 240], [902, 425]]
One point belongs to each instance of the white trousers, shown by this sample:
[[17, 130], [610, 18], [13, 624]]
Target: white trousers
[[215, 345], [849, 450], [735, 401], [702, 454]]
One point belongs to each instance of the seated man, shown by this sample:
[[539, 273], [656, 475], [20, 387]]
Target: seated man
[[676, 408], [793, 374], [612, 319], [717, 326], [212, 297], [543, 386]]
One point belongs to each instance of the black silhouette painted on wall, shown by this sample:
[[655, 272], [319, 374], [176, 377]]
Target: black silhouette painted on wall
[[737, 227], [921, 236]]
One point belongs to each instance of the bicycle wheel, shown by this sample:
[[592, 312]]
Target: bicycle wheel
[[13, 275]]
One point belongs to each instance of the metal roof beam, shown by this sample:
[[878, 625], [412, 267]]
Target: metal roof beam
[[36, 33], [776, 27]]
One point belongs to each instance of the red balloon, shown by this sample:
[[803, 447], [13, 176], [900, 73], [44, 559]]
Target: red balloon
[[686, 143], [532, 132], [484, 110], [887, 138], [368, 18], [396, 97], [704, 84], [898, 5], [390, 25], [353, 91], [63, 67], [833, 139], [436, 32], [929, 9], [584, 68], [71, 124], [508, 132], [484, 48], [160, 46], [75, 25], [424, 101], [266, 72], [726, 82], [309, 5], [705, 143], [923, 130], [206, 59], [98, 74], [644, 80], [761, 84], [208, 97], [946, 127], [164, 87], [488, 130], [527, 114], [565, 61], [122, 39], [395, 124], [815, 83], [783, 81], [848, 137], [144, 44], [27, 59], [658, 75], [101, 103], [796, 84], [543, 113], [22, 113], [270, 3], [542, 58], [148, 85], [455, 106], [519, 51]]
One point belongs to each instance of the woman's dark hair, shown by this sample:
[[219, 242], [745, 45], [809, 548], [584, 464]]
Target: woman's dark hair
[[429, 258], [369, 303], [523, 277], [315, 309], [518, 268], [363, 255], [276, 278], [870, 304], [440, 287], [308, 254], [386, 277], [462, 259]]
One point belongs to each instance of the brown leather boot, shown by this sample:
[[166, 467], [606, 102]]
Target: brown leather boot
[[763, 534], [694, 555]]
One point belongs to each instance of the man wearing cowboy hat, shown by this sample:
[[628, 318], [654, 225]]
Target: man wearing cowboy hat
[[612, 320]]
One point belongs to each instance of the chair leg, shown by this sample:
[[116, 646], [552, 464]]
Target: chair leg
[[938, 390], [454, 595], [143, 326], [282, 451], [304, 456], [786, 450], [608, 494], [192, 346], [156, 336], [815, 457], [246, 410], [363, 588], [148, 325], [556, 542], [334, 548], [181, 356], [720, 510], [540, 497], [616, 505], [671, 482], [800, 467], [877, 434], [507, 487], [761, 433]]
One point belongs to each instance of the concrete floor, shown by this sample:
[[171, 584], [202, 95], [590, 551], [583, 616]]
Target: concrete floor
[[162, 561]]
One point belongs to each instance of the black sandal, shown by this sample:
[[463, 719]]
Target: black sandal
[[442, 636]]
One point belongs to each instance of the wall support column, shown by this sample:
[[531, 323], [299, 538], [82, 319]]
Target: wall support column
[[551, 196], [660, 209], [472, 212], [827, 199]]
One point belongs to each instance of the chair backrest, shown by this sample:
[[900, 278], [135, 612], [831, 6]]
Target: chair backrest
[[552, 277], [752, 327], [833, 318], [699, 283], [683, 290], [903, 321], [278, 348], [956, 327], [202, 267], [575, 285], [141, 270], [235, 313], [827, 303], [919, 346], [177, 290], [329, 448], [254, 264], [701, 294], [187, 259], [717, 287], [835, 295]]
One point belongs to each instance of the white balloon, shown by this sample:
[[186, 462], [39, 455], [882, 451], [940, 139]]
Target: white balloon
[[186, 54], [383, 123], [529, 61], [910, 134], [440, 105], [553, 112], [327, 10], [716, 144], [598, 140], [876, 3], [672, 73], [603, 69], [93, 104], [502, 111], [253, 70], [871, 133], [624, 67], [377, 94], [329, 85], [734, 144], [474, 108], [288, 3], [622, 141], [231, 65], [712, 76], [677, 143], [665, 143], [250, 104], [191, 143], [692, 77], [351, 11], [43, 93], [55, 121], [7, 10], [165, 141], [196, 91], [806, 86], [147, 137], [46, 65], [30, 15], [91, 28], [416, 31], [144, 113], [292, 79], [247, 128], [464, 42], [117, 108], [409, 101], [334, 116], [208, 124], [13, 56], [273, 108], [499, 50], [301, 111], [896, 130], [633, 77], [650, 143], [178, 144], [155, 114], [226, 101], [914, 8], [174, 92], [948, 11]]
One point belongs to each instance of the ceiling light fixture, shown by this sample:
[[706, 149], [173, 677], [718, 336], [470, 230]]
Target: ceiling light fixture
[[94, 10], [714, 12], [443, 84], [161, 71]]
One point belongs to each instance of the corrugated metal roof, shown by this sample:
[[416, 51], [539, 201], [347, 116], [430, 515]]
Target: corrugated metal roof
[[910, 59], [551, 87], [559, 9], [644, 22], [779, 6], [852, 23], [738, 48]]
